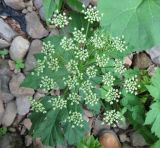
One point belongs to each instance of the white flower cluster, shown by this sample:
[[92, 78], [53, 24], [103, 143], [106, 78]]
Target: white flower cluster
[[131, 85], [112, 95], [101, 60], [39, 67], [74, 98], [59, 20], [37, 106], [119, 43], [98, 40], [52, 63], [71, 82], [91, 71], [86, 86], [78, 36], [48, 48], [75, 119], [108, 79], [112, 117], [67, 44], [81, 54], [91, 98], [58, 103], [47, 83], [72, 67], [91, 14], [119, 66]]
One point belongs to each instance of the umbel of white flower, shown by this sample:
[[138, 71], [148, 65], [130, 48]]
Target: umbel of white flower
[[75, 119], [74, 98], [79, 36], [108, 79], [67, 44], [91, 71], [131, 85], [112, 117], [59, 20], [101, 60], [119, 67]]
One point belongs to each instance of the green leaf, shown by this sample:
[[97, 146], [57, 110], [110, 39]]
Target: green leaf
[[137, 20], [50, 6], [153, 118], [75, 5], [156, 145]]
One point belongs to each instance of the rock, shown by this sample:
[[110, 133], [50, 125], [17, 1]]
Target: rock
[[85, 2], [28, 140], [6, 97], [54, 31], [12, 65], [38, 95], [151, 70], [23, 105], [41, 13], [6, 31], [123, 138], [1, 110], [15, 88], [141, 61], [4, 43], [88, 113], [137, 139], [15, 4], [128, 60], [123, 125], [35, 47], [4, 80], [11, 140], [125, 145], [27, 123], [38, 3], [93, 2], [154, 53], [4, 68], [9, 114], [19, 48], [34, 27]]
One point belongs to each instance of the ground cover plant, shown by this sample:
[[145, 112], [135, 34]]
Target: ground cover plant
[[85, 63]]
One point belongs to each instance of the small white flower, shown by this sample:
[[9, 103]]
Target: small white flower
[[78, 36], [119, 67], [101, 60], [74, 98], [108, 79], [67, 44], [91, 71], [81, 54], [71, 82]]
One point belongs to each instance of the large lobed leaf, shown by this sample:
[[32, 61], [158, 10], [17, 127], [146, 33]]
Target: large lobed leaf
[[137, 20]]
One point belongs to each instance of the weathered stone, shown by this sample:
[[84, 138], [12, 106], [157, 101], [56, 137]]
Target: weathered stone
[[6, 97], [137, 139], [11, 140], [35, 47], [151, 70], [9, 114], [34, 27], [19, 48], [1, 110], [123, 125], [27, 123], [15, 4], [6, 31], [23, 105], [4, 68], [15, 88], [4, 44], [28, 140], [154, 53], [38, 3], [142, 61], [41, 13], [123, 138]]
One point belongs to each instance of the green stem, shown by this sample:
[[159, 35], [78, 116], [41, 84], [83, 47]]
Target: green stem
[[87, 29]]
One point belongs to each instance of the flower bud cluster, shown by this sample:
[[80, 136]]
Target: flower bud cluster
[[119, 44], [119, 67], [131, 85], [71, 82], [108, 79], [59, 20], [112, 95], [101, 60], [98, 40], [48, 48], [112, 117], [37, 106], [91, 98], [58, 103], [40, 66], [91, 71], [53, 63], [47, 83], [74, 98], [81, 54], [78, 36], [91, 14], [67, 44], [86, 86], [75, 119], [72, 67]]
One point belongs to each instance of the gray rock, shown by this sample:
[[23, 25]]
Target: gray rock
[[15, 88], [4, 80], [142, 61], [41, 13], [151, 70], [54, 31], [6, 31], [19, 48], [15, 4], [154, 53], [137, 139], [35, 47], [125, 145], [123, 138], [123, 125], [4, 68], [9, 114], [38, 3], [11, 140], [6, 97], [28, 140], [34, 27], [1, 110], [23, 105], [4, 43]]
